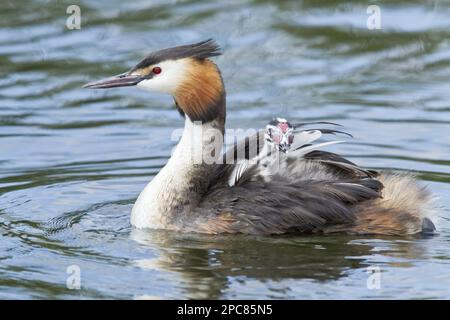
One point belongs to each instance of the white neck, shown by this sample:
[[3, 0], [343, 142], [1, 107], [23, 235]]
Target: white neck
[[176, 190]]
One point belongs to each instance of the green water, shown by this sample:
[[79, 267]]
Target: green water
[[72, 161]]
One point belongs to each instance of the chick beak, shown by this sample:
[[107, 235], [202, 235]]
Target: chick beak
[[121, 80]]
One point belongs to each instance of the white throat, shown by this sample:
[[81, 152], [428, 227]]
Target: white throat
[[174, 191]]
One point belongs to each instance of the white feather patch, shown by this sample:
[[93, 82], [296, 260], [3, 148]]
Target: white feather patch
[[237, 172], [305, 137]]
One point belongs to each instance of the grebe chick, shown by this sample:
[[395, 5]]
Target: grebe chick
[[278, 137], [279, 134], [314, 192], [284, 145]]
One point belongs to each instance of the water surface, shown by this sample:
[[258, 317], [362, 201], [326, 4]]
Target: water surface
[[73, 161]]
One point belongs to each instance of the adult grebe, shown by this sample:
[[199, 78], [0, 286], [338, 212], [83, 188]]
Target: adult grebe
[[311, 191]]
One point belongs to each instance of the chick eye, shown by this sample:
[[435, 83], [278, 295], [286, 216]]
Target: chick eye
[[156, 70]]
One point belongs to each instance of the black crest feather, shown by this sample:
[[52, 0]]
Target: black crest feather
[[201, 50]]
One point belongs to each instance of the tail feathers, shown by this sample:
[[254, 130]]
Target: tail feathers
[[405, 208]]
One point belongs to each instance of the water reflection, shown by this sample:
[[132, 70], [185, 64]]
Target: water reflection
[[207, 265]]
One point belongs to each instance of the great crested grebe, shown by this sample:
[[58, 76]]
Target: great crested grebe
[[201, 189]]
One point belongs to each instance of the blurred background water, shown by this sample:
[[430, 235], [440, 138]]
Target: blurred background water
[[73, 161]]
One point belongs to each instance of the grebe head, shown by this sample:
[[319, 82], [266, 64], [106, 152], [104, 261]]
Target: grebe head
[[185, 72], [279, 134]]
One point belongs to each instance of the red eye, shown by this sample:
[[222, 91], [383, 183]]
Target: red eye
[[156, 70]]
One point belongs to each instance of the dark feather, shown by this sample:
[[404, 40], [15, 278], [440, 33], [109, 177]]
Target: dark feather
[[255, 207], [325, 155], [331, 131], [339, 164], [297, 125]]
